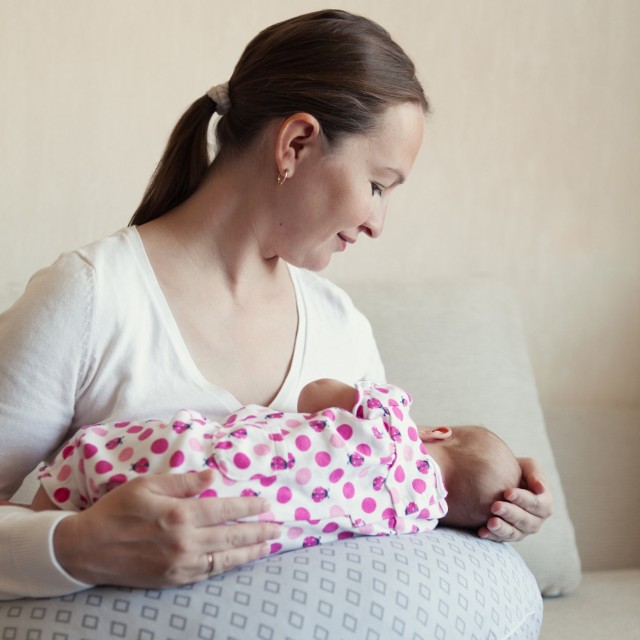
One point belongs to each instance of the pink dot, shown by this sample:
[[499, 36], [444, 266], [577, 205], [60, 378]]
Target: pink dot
[[399, 474], [177, 459], [348, 490], [364, 449], [267, 481], [209, 493], [283, 495], [160, 445], [89, 450], [103, 467], [330, 527], [412, 432], [135, 429], [303, 475], [302, 514], [323, 458], [147, 433], [241, 460], [408, 453], [64, 473], [419, 485], [67, 451], [195, 445], [126, 454], [275, 547], [119, 478], [368, 505], [62, 494], [261, 449], [336, 511], [303, 443], [120, 425], [388, 513], [345, 431], [101, 431], [425, 514], [345, 534], [294, 532], [293, 423], [335, 475], [337, 440], [327, 413]]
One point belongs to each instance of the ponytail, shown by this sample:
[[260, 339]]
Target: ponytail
[[183, 164]]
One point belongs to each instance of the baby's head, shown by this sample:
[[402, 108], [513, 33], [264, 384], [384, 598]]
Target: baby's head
[[477, 467]]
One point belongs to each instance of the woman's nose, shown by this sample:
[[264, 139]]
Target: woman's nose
[[374, 224]]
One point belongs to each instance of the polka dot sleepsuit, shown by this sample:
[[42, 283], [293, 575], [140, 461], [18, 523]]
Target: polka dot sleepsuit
[[329, 475]]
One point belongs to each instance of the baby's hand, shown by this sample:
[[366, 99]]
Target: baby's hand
[[325, 393]]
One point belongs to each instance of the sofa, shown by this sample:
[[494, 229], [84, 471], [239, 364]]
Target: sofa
[[458, 346]]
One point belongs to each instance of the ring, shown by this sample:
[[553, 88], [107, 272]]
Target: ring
[[210, 563]]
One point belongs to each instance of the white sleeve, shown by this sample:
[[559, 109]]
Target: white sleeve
[[43, 353], [28, 567]]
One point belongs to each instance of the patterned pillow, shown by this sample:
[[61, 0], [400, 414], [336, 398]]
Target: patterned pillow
[[441, 584]]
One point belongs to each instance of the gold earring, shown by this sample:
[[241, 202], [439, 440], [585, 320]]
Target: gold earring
[[282, 178]]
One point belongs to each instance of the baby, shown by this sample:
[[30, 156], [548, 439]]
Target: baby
[[349, 463]]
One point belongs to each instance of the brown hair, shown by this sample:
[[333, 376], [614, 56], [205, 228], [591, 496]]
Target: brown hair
[[485, 468], [343, 69]]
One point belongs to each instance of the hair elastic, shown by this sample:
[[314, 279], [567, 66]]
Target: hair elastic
[[220, 95]]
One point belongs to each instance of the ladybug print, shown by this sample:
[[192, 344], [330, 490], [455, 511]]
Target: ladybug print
[[210, 462], [142, 466], [319, 494], [274, 416], [278, 463], [423, 466], [249, 493], [112, 444], [378, 483], [291, 461], [356, 459], [377, 433], [412, 507], [241, 434], [395, 434], [318, 425], [180, 427], [311, 541]]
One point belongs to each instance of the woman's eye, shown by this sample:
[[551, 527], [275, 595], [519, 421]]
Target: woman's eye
[[376, 189]]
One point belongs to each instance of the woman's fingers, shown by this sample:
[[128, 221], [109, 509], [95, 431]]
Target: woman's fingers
[[523, 510]]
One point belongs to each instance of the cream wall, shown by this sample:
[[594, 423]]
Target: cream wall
[[530, 169]]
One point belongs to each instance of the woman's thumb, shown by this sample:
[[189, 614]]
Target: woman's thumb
[[182, 485]]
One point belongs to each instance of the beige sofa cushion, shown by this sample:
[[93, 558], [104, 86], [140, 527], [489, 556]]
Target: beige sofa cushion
[[458, 347]]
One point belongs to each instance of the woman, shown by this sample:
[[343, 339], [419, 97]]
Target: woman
[[209, 301]]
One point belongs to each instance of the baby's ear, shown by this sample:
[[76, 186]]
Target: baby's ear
[[435, 434]]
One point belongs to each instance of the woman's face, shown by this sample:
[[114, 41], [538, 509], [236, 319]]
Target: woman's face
[[341, 192]]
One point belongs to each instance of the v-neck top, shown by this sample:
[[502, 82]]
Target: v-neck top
[[93, 339]]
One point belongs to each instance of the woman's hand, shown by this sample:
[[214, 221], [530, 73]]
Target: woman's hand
[[144, 534], [523, 510]]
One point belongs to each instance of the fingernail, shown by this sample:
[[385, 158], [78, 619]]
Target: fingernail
[[265, 549], [498, 511]]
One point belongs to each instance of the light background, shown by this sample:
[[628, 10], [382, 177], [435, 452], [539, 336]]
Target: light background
[[530, 169]]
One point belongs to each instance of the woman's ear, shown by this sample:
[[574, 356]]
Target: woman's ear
[[435, 434], [295, 136]]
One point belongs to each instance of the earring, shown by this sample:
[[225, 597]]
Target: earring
[[282, 178]]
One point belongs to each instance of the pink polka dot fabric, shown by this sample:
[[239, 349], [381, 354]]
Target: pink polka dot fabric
[[328, 476]]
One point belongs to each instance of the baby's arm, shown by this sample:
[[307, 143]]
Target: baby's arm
[[325, 393]]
